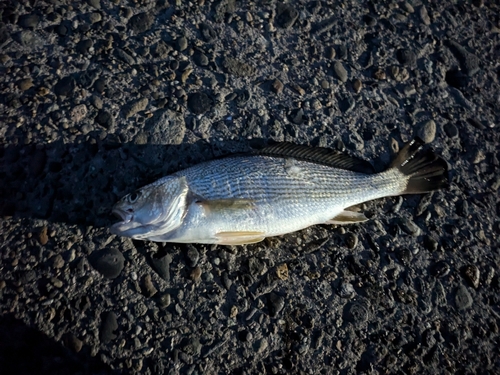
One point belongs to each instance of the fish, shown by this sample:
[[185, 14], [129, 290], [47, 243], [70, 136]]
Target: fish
[[282, 188]]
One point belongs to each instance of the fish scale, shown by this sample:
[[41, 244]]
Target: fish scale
[[285, 188]]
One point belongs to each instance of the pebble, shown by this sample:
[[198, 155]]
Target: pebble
[[351, 240], [73, 342], [340, 71], [357, 85], [166, 127], [277, 86], [95, 17], [346, 290], [148, 288], [407, 57], [196, 274], [469, 63], [108, 262], [207, 32], [427, 131], [199, 103], [200, 59], [440, 269], [409, 227], [424, 16], [108, 326], [282, 271], [471, 273], [400, 74], [165, 300], [192, 255], [133, 108], [463, 299], [25, 84], [275, 303], [78, 113], [58, 261], [451, 130], [356, 312], [238, 68], [43, 237], [105, 119], [181, 43], [161, 264], [286, 15], [245, 336], [141, 22]]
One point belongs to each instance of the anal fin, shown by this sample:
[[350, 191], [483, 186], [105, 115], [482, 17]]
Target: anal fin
[[239, 237], [348, 217]]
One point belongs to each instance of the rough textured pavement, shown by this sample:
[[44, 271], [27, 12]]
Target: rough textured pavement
[[98, 98]]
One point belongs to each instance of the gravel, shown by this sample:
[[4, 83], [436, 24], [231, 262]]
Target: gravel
[[102, 98]]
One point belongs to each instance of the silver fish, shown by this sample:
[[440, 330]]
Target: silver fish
[[281, 189]]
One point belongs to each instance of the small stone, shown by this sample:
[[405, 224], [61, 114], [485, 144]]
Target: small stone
[[43, 237], [108, 326], [409, 227], [275, 304], [440, 269], [351, 240], [141, 22], [346, 290], [369, 20], [245, 336], [165, 300], [380, 74], [104, 118], [469, 63], [356, 313], [451, 130], [424, 16], [357, 85], [238, 68], [407, 57], [108, 262], [471, 273], [78, 113], [196, 274], [400, 74], [135, 107], [261, 346], [297, 88], [207, 32], [58, 261], [199, 103], [340, 71], [192, 255], [73, 342], [282, 271], [463, 299], [181, 43], [161, 264], [277, 86], [95, 3], [95, 17], [286, 15], [148, 288], [427, 131], [234, 312], [200, 59], [25, 84]]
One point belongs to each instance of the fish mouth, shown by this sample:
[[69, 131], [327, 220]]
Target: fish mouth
[[123, 225]]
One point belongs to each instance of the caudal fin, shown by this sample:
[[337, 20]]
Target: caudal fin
[[426, 170]]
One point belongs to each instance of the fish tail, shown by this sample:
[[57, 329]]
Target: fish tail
[[424, 169]]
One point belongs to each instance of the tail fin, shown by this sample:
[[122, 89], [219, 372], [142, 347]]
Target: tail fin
[[426, 170]]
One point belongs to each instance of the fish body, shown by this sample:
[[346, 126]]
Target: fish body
[[245, 198]]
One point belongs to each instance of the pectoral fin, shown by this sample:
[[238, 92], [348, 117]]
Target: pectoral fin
[[226, 204], [239, 238], [348, 217]]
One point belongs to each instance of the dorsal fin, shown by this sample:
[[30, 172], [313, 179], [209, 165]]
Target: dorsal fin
[[317, 155]]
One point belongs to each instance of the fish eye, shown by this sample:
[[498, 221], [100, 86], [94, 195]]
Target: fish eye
[[132, 198]]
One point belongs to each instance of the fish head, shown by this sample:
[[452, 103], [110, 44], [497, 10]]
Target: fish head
[[152, 210]]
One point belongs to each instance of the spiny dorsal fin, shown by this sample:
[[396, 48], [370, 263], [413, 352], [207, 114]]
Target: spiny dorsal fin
[[317, 155]]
